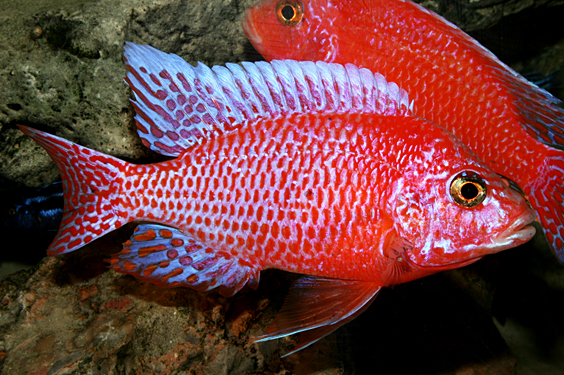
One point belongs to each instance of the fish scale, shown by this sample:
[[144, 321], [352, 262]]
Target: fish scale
[[324, 177], [408, 57], [513, 126]]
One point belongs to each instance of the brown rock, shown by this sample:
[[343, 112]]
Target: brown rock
[[49, 327]]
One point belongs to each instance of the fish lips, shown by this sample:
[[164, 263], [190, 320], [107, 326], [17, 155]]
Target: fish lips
[[443, 267], [519, 232]]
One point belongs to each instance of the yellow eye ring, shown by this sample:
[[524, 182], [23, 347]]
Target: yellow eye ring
[[289, 13], [468, 189]]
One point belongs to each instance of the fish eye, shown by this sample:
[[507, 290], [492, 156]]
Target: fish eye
[[11, 212], [289, 13], [468, 189]]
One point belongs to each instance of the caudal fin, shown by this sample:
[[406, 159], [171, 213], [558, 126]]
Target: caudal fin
[[91, 183], [547, 198]]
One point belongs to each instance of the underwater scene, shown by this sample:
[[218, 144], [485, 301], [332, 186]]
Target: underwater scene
[[282, 187]]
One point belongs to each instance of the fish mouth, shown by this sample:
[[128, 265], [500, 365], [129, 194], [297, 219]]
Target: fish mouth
[[249, 28], [519, 232]]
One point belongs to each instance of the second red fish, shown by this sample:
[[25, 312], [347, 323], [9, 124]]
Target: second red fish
[[513, 126]]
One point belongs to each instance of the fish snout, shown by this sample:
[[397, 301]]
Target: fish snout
[[249, 28]]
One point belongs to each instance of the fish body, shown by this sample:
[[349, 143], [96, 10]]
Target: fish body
[[319, 178], [513, 126], [34, 215], [33, 209]]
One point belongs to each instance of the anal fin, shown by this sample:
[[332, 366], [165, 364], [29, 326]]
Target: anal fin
[[317, 306], [169, 257]]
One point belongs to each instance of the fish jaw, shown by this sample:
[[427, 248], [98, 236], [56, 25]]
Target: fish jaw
[[517, 233], [250, 22], [251, 19], [276, 41]]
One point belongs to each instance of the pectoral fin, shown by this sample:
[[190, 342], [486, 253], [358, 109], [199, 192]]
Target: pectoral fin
[[398, 265], [168, 256], [317, 306]]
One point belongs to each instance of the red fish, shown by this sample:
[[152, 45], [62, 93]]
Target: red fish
[[512, 125], [311, 168]]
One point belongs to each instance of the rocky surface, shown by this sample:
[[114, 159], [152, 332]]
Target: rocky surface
[[61, 71], [71, 315]]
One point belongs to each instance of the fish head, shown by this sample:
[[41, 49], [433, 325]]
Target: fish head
[[292, 29], [18, 216], [455, 209]]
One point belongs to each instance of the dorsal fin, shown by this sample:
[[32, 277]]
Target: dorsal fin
[[179, 105]]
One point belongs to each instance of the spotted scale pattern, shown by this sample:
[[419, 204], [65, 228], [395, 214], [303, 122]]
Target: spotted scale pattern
[[322, 193], [306, 195], [319, 194], [170, 257], [314, 194], [548, 195], [91, 182]]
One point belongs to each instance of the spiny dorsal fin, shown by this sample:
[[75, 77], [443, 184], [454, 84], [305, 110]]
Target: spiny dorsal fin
[[179, 105]]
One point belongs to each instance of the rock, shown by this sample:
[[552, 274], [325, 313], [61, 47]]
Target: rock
[[61, 70], [72, 315]]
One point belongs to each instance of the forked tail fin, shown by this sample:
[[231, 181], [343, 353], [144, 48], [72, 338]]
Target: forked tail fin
[[91, 183], [547, 198]]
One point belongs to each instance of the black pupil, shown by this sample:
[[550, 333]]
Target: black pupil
[[469, 191], [288, 12]]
